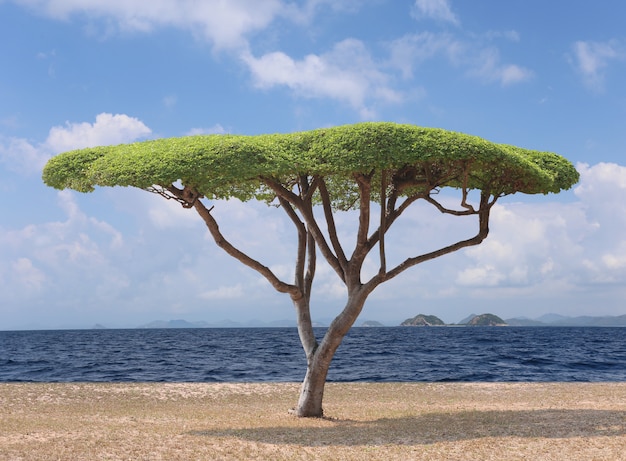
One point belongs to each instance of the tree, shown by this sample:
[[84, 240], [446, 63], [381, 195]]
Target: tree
[[313, 175]]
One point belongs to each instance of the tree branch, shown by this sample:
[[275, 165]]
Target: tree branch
[[188, 193], [382, 228], [312, 259], [364, 183], [392, 216], [330, 223], [302, 242], [483, 231], [468, 212], [306, 208], [464, 203]]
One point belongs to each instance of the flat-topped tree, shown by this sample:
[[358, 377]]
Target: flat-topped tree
[[328, 170]]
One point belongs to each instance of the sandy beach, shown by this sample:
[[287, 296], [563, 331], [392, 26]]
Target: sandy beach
[[416, 421]]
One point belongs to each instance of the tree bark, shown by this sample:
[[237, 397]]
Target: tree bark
[[318, 362], [312, 391]]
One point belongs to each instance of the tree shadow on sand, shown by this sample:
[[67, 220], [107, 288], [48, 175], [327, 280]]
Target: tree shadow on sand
[[437, 427]]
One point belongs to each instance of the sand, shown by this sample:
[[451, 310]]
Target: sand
[[398, 421]]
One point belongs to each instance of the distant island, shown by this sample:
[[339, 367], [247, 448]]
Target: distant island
[[486, 320], [483, 320], [372, 323], [420, 320], [548, 320], [556, 320]]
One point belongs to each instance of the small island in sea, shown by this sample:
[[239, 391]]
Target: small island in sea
[[422, 320], [547, 320], [372, 323], [486, 320], [483, 320]]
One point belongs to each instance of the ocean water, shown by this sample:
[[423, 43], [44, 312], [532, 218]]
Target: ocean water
[[480, 354]]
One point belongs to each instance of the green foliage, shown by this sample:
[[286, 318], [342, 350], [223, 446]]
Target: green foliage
[[220, 166]]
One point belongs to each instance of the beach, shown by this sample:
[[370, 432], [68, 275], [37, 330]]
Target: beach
[[391, 421]]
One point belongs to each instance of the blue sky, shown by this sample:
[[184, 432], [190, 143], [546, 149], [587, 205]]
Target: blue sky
[[73, 73]]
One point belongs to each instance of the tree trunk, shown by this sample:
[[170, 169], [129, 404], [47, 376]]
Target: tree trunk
[[318, 362], [312, 391]]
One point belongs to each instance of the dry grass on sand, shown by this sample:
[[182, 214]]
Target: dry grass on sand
[[418, 421]]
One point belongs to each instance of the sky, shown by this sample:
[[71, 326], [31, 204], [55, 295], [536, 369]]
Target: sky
[[76, 73]]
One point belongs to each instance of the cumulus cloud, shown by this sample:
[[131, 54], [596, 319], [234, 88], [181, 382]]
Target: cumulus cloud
[[22, 156], [49, 258], [226, 292], [488, 67], [560, 244], [108, 129], [599, 180], [411, 50], [26, 275], [528, 242], [226, 24], [481, 62], [434, 9], [347, 73], [601, 191], [591, 60], [534, 248], [169, 214]]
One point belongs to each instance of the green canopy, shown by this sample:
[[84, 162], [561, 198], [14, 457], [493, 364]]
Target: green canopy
[[220, 166]]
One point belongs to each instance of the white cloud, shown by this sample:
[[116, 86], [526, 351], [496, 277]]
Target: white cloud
[[592, 58], [225, 23], [413, 49], [483, 63], [169, 214], [534, 249], [434, 9], [26, 275], [616, 259], [558, 244], [485, 275], [22, 156], [108, 129], [305, 11], [487, 66], [346, 73], [511, 73], [601, 191], [599, 180], [520, 246], [50, 260], [227, 292]]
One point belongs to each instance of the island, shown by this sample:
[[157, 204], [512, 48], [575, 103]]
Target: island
[[422, 320], [483, 320], [486, 320], [372, 323]]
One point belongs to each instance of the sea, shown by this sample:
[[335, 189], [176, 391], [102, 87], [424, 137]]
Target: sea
[[390, 354]]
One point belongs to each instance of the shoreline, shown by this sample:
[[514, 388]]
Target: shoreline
[[429, 421]]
